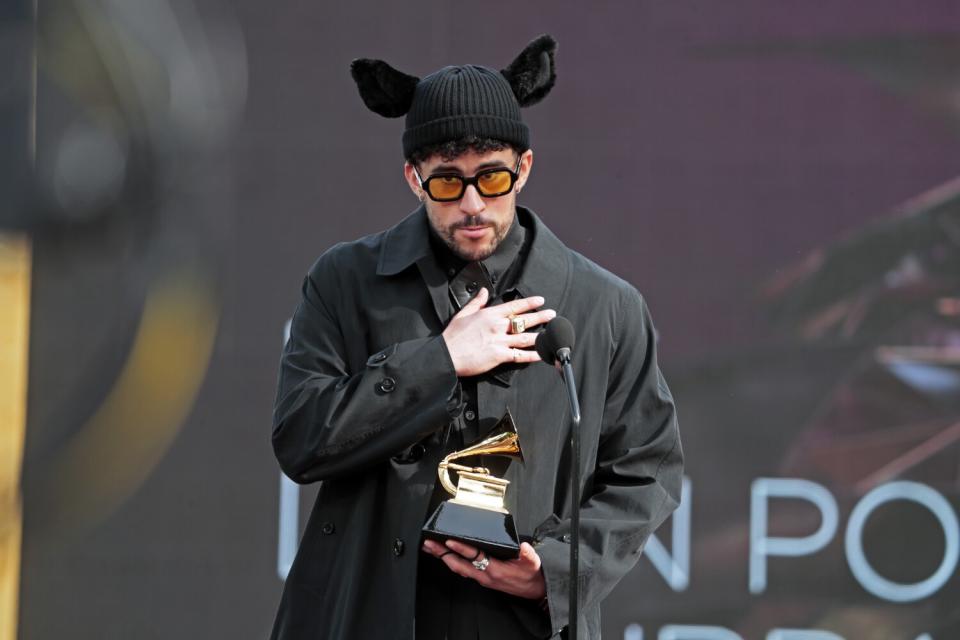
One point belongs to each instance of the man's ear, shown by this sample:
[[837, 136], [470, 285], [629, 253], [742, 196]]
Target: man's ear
[[384, 89], [410, 175], [526, 166], [532, 74]]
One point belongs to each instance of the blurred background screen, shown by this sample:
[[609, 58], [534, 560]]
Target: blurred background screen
[[780, 181]]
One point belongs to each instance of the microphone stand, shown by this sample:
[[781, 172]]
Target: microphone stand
[[563, 357]]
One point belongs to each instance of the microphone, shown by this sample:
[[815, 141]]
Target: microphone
[[556, 341], [555, 345]]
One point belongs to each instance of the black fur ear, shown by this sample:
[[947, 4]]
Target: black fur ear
[[384, 89], [533, 72]]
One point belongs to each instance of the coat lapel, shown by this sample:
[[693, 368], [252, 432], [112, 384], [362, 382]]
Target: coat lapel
[[436, 282], [405, 244], [546, 272]]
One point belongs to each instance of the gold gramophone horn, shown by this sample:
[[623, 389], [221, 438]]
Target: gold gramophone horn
[[504, 442]]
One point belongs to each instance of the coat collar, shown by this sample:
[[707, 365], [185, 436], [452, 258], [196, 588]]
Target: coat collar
[[546, 271], [404, 243]]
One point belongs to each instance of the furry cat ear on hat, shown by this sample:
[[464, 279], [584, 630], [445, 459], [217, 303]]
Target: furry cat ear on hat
[[384, 90], [532, 73]]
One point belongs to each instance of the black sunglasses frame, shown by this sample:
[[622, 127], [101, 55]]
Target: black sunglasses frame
[[466, 182]]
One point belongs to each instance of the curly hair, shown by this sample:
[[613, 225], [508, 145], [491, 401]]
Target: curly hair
[[452, 149]]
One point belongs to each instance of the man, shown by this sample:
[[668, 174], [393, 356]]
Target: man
[[414, 342]]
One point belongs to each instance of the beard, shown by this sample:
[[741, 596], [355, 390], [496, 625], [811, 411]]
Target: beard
[[471, 251]]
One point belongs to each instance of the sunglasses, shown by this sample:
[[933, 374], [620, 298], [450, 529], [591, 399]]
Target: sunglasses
[[489, 183]]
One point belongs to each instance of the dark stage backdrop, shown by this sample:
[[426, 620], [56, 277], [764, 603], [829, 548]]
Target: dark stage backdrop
[[777, 179]]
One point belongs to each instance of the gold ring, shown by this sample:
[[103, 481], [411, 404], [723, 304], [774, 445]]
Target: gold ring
[[517, 325]]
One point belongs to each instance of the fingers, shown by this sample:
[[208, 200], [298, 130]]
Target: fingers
[[438, 550], [539, 317], [464, 550], [435, 549], [529, 556], [514, 308], [476, 303], [478, 337], [521, 340], [521, 305], [457, 557], [520, 576], [521, 355]]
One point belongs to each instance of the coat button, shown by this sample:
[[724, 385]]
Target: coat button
[[387, 385], [472, 287], [328, 528], [398, 547], [470, 415]]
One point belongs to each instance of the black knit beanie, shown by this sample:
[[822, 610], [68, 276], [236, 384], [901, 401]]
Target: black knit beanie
[[457, 102]]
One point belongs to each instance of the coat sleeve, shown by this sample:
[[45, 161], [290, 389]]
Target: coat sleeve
[[331, 421], [635, 483]]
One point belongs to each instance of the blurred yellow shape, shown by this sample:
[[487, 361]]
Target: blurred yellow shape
[[15, 263], [117, 449]]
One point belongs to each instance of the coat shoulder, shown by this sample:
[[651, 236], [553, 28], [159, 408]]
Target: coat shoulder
[[348, 259], [614, 307], [609, 290], [351, 254]]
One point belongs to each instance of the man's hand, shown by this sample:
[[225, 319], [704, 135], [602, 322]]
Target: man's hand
[[520, 577], [478, 338]]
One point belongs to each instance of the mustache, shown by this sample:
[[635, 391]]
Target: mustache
[[472, 221]]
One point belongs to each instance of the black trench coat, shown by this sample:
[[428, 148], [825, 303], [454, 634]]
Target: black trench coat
[[366, 383]]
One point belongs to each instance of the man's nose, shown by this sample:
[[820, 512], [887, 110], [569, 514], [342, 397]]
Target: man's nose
[[471, 202]]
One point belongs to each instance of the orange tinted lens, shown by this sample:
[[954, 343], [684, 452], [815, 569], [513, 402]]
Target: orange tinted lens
[[494, 182], [445, 187]]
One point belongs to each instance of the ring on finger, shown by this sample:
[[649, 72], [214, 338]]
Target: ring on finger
[[517, 325], [481, 564], [475, 556]]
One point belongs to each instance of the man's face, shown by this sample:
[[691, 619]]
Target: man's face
[[474, 225]]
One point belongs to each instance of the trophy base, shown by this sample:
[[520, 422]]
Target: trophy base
[[491, 531]]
